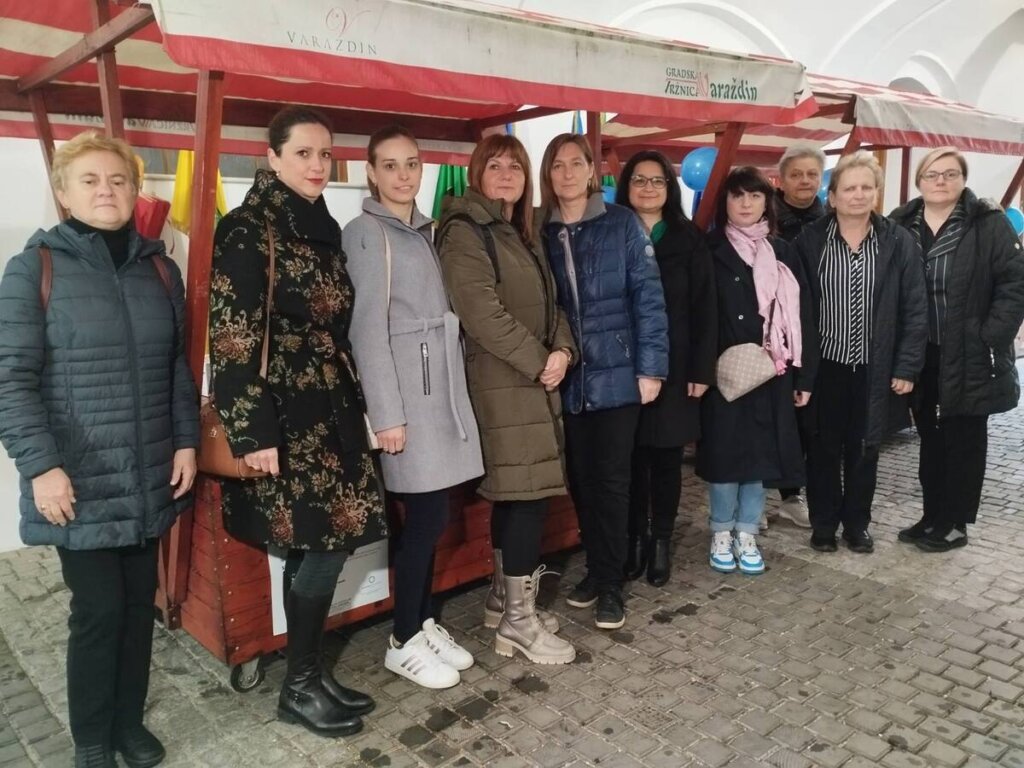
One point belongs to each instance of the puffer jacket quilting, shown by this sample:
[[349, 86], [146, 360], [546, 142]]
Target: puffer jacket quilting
[[621, 325], [98, 385]]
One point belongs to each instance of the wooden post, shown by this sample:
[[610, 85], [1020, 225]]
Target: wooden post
[[175, 549], [882, 156], [45, 133], [1018, 179], [852, 143], [110, 91], [728, 144], [905, 175], [594, 139]]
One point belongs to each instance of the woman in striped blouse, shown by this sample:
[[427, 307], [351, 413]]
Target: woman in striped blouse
[[870, 311]]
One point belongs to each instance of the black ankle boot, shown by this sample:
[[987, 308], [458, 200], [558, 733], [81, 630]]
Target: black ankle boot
[[304, 698], [659, 566], [636, 557], [139, 748], [94, 756]]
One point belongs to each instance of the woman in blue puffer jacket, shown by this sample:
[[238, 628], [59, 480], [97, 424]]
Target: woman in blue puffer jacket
[[610, 289]]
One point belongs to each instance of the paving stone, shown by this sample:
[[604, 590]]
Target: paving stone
[[907, 739], [938, 753], [986, 747], [870, 747], [945, 730]]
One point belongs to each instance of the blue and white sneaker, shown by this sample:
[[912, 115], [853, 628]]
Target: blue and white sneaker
[[721, 552], [747, 554]]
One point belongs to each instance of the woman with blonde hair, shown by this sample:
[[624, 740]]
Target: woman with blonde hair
[[518, 348], [867, 289], [405, 340], [99, 412], [974, 275]]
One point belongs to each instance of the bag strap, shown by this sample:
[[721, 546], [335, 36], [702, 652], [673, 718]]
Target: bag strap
[[46, 278], [271, 247], [387, 258], [485, 234]]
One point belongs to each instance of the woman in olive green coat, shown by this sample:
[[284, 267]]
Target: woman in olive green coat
[[518, 348]]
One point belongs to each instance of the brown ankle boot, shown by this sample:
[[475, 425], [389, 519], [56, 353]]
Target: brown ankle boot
[[520, 629], [494, 605]]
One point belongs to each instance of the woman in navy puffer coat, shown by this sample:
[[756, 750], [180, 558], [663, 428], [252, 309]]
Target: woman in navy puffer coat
[[609, 286]]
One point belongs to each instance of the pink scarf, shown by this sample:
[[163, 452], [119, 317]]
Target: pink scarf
[[774, 282]]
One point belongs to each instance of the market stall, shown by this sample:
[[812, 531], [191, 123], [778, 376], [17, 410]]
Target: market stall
[[208, 74]]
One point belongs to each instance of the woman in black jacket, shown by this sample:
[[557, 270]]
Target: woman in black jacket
[[974, 274], [648, 186], [753, 440], [870, 311]]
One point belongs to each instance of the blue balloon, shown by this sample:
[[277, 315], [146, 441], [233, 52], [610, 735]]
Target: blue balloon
[[696, 168], [826, 177], [609, 193], [1016, 218]]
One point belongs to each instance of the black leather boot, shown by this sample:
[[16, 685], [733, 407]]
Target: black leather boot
[[636, 557], [304, 698], [354, 701], [139, 748], [94, 756], [659, 567]]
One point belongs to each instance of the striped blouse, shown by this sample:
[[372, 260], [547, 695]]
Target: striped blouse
[[847, 281]]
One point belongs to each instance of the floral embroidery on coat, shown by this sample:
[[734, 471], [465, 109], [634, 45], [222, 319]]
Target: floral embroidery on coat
[[310, 407]]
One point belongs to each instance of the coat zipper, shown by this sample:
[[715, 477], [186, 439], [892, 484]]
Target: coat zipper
[[137, 407], [425, 362]]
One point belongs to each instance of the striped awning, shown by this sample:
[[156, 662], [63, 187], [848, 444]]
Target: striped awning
[[876, 115]]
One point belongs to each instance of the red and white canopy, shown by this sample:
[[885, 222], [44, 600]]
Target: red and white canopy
[[444, 64], [876, 115]]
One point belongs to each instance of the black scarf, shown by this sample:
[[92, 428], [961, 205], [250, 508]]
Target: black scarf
[[291, 212]]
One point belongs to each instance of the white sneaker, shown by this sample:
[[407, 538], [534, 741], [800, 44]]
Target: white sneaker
[[721, 552], [417, 661], [441, 643], [795, 510], [747, 554]]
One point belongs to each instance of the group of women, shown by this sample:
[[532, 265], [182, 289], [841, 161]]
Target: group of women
[[572, 347]]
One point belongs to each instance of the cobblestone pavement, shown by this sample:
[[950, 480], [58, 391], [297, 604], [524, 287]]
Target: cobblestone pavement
[[899, 659]]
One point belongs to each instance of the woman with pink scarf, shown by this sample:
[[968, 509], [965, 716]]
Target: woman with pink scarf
[[752, 442]]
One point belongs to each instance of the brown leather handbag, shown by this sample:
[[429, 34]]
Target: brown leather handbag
[[215, 457]]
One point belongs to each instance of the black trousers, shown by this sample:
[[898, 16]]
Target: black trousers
[[599, 450], [953, 454], [841, 469], [656, 487], [516, 529], [426, 516], [110, 643]]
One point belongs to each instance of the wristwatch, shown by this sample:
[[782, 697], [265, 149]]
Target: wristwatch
[[569, 355]]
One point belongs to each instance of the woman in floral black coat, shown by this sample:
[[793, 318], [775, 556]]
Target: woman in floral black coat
[[304, 423]]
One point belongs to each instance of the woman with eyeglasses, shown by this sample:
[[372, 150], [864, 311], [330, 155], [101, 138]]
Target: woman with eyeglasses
[[648, 186], [974, 275]]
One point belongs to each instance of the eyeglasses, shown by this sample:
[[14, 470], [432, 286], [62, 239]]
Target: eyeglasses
[[951, 175], [638, 181]]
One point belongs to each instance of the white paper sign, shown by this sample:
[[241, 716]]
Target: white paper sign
[[364, 580]]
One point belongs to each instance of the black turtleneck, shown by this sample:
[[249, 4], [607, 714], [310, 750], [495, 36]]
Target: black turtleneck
[[115, 239]]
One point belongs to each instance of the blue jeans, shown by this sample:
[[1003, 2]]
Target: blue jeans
[[736, 506]]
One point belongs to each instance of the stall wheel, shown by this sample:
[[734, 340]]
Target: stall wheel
[[246, 676]]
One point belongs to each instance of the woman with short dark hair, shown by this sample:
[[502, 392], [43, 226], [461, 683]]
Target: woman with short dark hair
[[649, 187], [752, 441], [974, 274]]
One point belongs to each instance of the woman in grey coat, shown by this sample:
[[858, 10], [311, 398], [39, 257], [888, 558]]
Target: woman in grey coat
[[405, 340]]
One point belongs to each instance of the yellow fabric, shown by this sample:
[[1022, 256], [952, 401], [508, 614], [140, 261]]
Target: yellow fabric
[[181, 201]]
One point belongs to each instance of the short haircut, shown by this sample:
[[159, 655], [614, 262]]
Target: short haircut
[[799, 152], [497, 145], [746, 178], [83, 144], [394, 131], [934, 156], [547, 192], [672, 212], [859, 159], [281, 124]]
